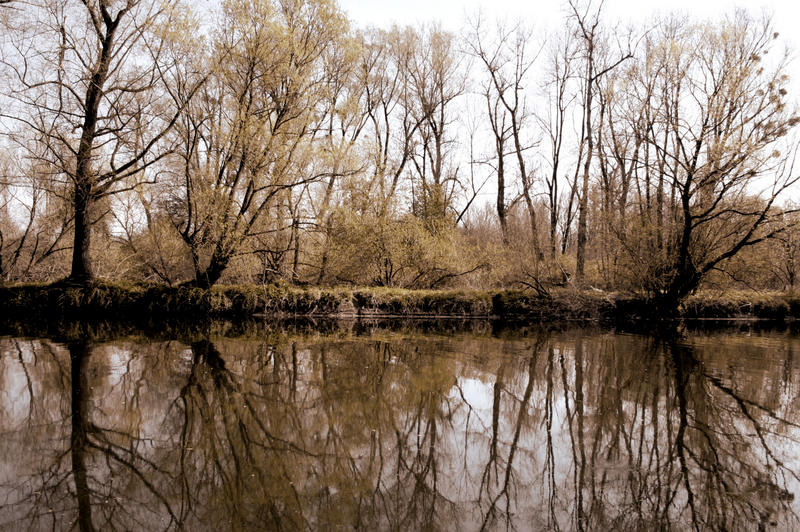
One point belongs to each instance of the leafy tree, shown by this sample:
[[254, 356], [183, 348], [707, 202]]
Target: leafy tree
[[248, 137]]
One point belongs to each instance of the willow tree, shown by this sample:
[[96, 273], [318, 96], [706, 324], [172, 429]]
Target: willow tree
[[344, 118], [248, 136], [88, 87], [391, 132], [721, 147]]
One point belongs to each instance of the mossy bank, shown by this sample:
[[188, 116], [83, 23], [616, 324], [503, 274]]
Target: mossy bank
[[106, 299]]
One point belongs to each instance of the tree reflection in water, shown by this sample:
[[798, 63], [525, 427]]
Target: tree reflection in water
[[579, 430]]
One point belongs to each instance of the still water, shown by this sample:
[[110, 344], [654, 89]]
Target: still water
[[370, 428]]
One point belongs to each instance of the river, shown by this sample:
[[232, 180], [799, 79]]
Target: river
[[347, 426]]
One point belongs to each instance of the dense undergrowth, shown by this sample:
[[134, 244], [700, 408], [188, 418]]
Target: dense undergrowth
[[108, 299]]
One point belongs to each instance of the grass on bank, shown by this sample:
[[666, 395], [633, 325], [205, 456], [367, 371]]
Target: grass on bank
[[742, 304], [108, 299]]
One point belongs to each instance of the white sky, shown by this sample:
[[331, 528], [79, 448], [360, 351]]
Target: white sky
[[546, 15], [550, 12]]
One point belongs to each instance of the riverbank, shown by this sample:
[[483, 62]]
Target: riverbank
[[108, 300]]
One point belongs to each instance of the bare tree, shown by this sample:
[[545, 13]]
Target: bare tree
[[508, 63], [554, 123], [34, 219], [589, 32], [723, 141], [88, 84], [435, 82]]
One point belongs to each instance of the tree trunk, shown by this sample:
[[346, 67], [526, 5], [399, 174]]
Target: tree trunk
[[213, 272], [296, 251], [84, 176], [553, 199], [583, 203], [81, 257], [323, 268], [325, 218], [532, 221], [501, 193]]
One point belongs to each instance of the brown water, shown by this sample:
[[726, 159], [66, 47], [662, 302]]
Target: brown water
[[533, 430]]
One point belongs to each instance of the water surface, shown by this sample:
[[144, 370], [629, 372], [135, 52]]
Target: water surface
[[378, 429]]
